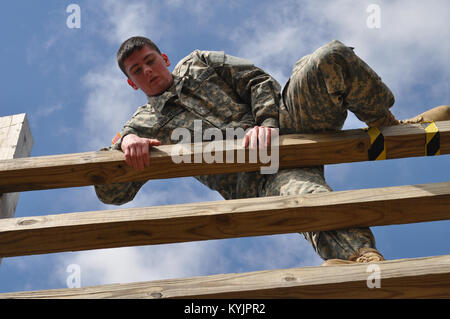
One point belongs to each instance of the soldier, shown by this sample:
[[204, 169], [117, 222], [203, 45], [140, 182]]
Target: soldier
[[228, 92]]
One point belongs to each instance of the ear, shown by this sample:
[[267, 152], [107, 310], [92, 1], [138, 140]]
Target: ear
[[131, 83], [166, 59]]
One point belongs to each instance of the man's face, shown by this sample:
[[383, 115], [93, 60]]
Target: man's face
[[148, 70]]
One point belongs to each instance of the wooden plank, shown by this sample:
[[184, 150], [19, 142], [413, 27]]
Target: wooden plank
[[224, 219], [15, 142], [90, 168], [427, 277]]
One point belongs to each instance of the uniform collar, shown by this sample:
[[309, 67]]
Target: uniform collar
[[158, 101]]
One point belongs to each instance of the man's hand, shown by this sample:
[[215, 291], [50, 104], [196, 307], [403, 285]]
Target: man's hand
[[137, 150], [259, 135]]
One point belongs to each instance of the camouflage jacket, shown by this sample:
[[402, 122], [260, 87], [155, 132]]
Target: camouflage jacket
[[220, 90]]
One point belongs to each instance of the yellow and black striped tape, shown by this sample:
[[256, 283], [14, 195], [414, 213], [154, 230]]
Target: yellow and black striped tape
[[377, 149], [432, 142]]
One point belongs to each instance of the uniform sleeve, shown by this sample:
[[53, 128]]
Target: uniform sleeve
[[117, 193], [141, 124], [120, 193], [254, 86]]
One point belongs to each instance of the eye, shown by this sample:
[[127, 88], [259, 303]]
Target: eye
[[150, 62], [138, 70]]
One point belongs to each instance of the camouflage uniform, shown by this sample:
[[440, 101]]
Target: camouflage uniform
[[228, 92]]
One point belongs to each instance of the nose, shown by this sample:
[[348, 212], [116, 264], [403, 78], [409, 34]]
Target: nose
[[147, 70]]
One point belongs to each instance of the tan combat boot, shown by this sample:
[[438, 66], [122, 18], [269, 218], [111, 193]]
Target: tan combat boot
[[367, 255], [438, 113], [362, 255]]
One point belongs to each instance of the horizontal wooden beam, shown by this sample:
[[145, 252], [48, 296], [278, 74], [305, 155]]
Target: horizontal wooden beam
[[82, 169], [427, 277], [224, 219]]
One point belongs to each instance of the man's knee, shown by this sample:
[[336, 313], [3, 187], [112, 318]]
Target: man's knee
[[296, 181], [296, 187], [332, 49], [325, 53]]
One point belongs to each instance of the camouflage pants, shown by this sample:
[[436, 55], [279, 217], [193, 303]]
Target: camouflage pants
[[322, 87]]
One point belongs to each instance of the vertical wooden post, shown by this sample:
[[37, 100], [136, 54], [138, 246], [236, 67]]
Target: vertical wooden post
[[15, 141]]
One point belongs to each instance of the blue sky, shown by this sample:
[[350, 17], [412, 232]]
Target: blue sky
[[76, 100]]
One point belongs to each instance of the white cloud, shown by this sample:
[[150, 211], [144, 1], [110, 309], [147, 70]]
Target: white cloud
[[204, 11], [42, 113], [199, 8], [173, 191], [131, 18], [276, 252], [131, 264]]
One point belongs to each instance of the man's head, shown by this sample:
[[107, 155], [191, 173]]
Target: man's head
[[144, 65]]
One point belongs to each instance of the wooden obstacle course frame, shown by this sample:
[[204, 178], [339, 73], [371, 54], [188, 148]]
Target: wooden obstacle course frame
[[427, 277]]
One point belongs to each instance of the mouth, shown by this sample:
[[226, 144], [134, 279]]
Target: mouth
[[152, 80]]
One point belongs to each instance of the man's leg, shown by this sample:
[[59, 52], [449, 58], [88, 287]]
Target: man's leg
[[335, 244], [330, 81], [323, 86]]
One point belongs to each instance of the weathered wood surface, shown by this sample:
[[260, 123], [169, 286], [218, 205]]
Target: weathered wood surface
[[15, 142], [224, 219], [73, 170], [427, 277]]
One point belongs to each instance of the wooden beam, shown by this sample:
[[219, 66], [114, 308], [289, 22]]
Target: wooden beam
[[224, 219], [82, 169], [427, 277], [15, 142]]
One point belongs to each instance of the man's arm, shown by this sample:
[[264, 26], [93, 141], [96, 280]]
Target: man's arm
[[254, 87], [136, 150], [259, 90], [118, 193]]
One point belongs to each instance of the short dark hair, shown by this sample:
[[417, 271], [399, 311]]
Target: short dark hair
[[129, 46]]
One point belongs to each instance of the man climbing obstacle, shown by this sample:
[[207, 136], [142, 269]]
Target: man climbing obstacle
[[224, 91]]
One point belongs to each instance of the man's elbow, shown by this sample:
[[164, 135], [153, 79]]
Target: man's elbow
[[109, 197]]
